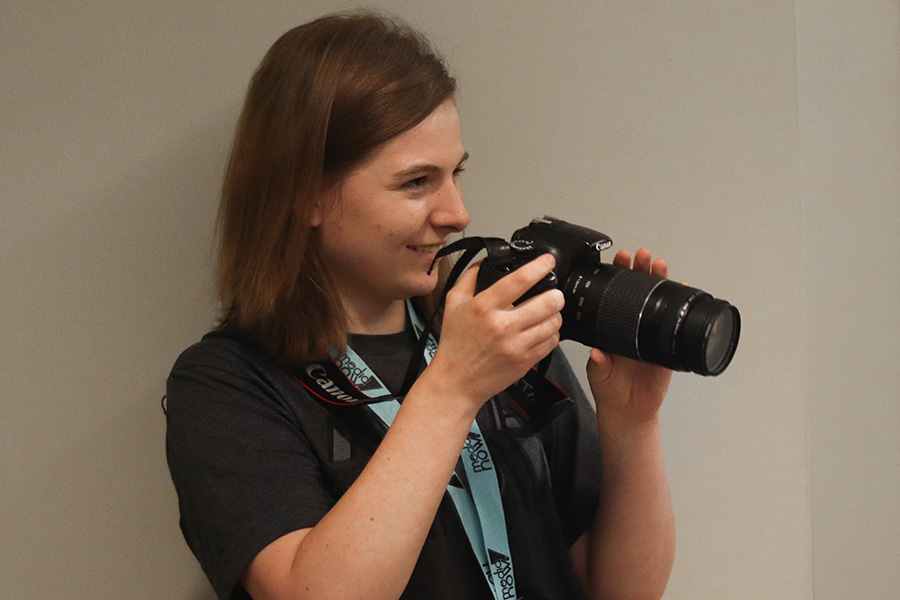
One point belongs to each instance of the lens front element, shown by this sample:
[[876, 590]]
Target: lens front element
[[721, 338]]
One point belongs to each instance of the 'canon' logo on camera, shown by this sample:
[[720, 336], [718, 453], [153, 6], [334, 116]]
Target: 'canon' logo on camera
[[320, 375]]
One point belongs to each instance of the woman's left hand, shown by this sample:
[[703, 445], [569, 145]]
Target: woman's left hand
[[630, 390], [629, 550]]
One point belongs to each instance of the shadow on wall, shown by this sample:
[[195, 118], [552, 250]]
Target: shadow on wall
[[99, 302]]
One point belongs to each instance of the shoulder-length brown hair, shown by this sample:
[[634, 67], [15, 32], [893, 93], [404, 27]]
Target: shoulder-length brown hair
[[324, 97]]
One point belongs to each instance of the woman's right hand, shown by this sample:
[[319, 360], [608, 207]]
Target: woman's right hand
[[487, 342]]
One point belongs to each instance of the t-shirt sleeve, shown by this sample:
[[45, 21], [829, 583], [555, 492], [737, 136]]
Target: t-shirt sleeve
[[243, 470], [572, 446]]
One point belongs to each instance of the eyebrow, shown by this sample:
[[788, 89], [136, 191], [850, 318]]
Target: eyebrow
[[425, 169]]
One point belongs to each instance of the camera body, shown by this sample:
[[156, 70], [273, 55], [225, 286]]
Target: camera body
[[621, 311], [571, 245]]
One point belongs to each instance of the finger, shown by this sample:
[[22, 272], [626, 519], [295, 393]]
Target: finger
[[622, 259], [598, 357], [465, 285], [542, 307], [544, 344], [511, 287], [539, 338], [660, 268], [599, 365], [642, 260]]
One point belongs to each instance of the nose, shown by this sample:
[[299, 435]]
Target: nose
[[450, 212]]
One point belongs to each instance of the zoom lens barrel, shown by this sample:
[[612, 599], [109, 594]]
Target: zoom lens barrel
[[649, 318]]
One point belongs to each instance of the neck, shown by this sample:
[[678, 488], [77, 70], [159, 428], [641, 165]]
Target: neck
[[380, 320]]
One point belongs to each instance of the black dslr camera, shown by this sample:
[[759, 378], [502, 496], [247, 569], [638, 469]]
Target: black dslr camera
[[621, 311]]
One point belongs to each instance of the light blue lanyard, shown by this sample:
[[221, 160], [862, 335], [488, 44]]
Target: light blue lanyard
[[479, 507]]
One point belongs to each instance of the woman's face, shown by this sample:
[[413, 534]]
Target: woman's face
[[383, 223]]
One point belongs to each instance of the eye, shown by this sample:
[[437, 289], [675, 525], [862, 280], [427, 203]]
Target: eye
[[415, 183], [458, 171]]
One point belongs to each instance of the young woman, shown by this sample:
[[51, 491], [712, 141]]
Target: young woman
[[341, 188]]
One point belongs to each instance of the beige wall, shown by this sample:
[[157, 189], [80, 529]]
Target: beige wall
[[849, 123], [755, 145]]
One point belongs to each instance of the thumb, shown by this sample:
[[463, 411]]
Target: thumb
[[465, 285], [599, 366]]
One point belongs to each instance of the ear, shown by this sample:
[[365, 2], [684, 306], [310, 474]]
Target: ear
[[324, 204], [318, 213]]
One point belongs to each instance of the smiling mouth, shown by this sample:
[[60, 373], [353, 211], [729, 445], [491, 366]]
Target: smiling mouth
[[429, 249]]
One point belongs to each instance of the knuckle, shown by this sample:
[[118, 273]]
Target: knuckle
[[533, 270], [494, 329], [454, 295], [520, 279], [557, 321]]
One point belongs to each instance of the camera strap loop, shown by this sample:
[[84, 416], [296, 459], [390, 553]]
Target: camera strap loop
[[498, 250], [499, 254]]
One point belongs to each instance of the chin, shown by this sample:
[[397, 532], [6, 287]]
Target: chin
[[423, 287]]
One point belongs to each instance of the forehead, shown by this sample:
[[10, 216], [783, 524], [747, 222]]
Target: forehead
[[435, 140]]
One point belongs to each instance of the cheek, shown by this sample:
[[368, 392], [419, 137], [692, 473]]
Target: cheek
[[378, 224], [392, 230]]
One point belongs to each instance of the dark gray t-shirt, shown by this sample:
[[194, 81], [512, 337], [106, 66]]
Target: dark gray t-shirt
[[253, 457]]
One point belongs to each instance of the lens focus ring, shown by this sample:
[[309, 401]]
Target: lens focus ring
[[620, 309]]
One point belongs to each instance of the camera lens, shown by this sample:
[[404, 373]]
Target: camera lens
[[649, 318], [721, 337]]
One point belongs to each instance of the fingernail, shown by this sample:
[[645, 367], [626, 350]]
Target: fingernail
[[560, 299]]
